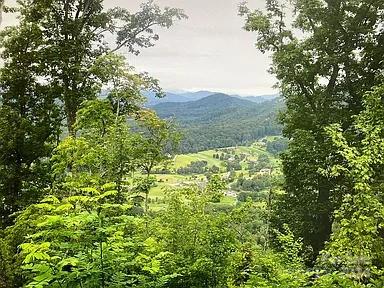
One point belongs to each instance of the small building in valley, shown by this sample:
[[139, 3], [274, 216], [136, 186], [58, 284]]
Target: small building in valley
[[265, 171]]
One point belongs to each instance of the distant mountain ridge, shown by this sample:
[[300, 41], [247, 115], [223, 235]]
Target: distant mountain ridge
[[261, 98], [220, 120], [200, 109], [193, 96]]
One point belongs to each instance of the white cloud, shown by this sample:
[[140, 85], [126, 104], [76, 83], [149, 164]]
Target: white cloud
[[208, 51]]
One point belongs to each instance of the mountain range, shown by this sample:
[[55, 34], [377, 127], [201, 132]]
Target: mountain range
[[194, 96], [220, 120]]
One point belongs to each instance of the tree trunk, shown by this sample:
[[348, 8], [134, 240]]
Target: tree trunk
[[324, 216]]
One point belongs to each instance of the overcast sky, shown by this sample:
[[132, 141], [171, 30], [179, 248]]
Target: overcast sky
[[208, 51]]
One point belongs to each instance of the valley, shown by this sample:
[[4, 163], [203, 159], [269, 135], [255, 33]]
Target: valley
[[237, 139], [247, 172], [115, 173]]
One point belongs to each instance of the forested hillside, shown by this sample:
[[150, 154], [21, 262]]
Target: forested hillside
[[220, 120], [94, 191]]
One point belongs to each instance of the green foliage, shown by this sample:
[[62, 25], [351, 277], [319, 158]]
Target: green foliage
[[195, 167], [325, 59], [90, 229], [106, 148], [55, 58], [226, 121], [256, 267], [200, 241], [255, 184], [357, 242], [89, 241], [277, 145], [160, 140], [337, 280], [102, 148], [71, 43], [29, 123], [215, 188], [249, 220]]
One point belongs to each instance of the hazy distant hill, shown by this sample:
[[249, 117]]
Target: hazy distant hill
[[261, 98], [220, 120], [202, 109], [176, 97], [193, 96]]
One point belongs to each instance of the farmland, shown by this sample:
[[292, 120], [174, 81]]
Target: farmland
[[242, 156]]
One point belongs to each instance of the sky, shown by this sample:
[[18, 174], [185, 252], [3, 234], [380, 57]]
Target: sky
[[207, 51]]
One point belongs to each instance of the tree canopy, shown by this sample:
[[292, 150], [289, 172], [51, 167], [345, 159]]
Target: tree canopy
[[325, 57]]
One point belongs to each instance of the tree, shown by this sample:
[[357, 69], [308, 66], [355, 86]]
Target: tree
[[29, 122], [109, 145], [357, 240], [201, 241], [278, 269], [52, 64], [325, 59], [159, 144], [215, 188], [90, 172], [72, 38]]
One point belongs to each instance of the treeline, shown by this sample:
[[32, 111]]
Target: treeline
[[195, 167], [229, 133], [255, 184], [277, 145], [263, 162]]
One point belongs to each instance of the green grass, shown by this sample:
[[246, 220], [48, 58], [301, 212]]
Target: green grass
[[228, 200], [186, 159], [252, 153], [166, 181]]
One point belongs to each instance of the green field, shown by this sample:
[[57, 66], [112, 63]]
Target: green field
[[185, 159], [173, 181]]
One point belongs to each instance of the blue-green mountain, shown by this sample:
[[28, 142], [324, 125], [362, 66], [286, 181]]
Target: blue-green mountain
[[220, 120], [193, 96]]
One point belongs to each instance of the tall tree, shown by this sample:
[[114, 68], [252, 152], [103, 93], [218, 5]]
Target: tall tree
[[325, 58], [159, 144], [106, 150], [108, 145], [357, 242], [29, 122], [73, 33], [49, 71]]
